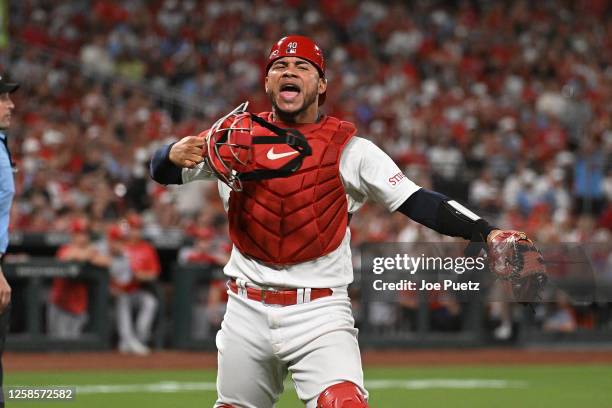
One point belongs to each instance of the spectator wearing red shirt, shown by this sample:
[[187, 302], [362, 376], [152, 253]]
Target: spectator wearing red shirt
[[133, 293], [67, 311], [121, 283]]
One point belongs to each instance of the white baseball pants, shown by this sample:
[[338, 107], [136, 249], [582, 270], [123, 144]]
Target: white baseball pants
[[259, 344], [146, 304], [64, 325]]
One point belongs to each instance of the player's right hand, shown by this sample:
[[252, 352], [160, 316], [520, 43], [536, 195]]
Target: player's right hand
[[187, 152]]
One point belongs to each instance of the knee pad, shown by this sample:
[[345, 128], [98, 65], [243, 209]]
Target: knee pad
[[342, 395]]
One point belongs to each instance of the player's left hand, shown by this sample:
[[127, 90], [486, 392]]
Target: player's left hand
[[5, 292], [515, 259]]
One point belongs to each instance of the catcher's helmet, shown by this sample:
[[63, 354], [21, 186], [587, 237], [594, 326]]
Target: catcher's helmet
[[301, 47]]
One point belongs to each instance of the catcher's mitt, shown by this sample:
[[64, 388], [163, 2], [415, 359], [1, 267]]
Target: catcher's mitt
[[514, 258]]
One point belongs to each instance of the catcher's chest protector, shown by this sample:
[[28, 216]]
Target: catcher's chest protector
[[301, 217]]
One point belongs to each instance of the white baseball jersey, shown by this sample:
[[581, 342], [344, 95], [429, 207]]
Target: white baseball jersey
[[366, 173]]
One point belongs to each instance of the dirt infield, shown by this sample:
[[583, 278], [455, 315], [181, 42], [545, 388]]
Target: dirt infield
[[175, 360]]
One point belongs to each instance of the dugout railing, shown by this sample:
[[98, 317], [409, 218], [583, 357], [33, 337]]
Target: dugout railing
[[190, 330], [30, 281]]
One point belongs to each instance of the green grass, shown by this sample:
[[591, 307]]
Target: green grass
[[522, 387]]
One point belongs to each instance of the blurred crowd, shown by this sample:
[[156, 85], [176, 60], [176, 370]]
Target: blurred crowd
[[504, 105]]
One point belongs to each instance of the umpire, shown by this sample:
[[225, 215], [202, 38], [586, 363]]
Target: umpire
[[7, 191]]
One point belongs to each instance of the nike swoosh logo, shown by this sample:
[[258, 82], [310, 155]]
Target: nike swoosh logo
[[275, 156]]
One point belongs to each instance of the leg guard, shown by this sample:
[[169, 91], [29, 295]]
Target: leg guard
[[342, 395]]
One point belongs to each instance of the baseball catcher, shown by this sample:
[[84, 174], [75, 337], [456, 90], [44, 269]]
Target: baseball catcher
[[290, 179]]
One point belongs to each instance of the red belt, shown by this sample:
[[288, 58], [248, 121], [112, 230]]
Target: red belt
[[286, 297]]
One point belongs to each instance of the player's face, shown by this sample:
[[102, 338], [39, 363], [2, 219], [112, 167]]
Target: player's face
[[6, 107], [293, 86]]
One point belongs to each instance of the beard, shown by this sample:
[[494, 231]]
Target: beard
[[310, 98]]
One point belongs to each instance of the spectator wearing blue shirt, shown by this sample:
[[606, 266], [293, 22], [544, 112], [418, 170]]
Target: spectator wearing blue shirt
[[7, 191], [589, 173]]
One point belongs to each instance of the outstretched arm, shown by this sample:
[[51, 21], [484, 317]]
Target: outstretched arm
[[369, 172], [514, 258], [446, 216]]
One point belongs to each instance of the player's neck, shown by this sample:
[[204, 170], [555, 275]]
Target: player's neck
[[310, 115]]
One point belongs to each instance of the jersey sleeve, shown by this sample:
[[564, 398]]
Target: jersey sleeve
[[369, 173], [199, 172], [224, 193]]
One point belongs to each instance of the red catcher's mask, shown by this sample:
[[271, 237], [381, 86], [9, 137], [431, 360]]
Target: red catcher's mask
[[235, 154]]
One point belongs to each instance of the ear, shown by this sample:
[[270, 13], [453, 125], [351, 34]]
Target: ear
[[322, 85], [266, 84]]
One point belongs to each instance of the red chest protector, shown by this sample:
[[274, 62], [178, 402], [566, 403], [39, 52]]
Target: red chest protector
[[301, 217]]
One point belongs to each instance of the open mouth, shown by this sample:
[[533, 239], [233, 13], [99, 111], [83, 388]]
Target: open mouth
[[289, 92]]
